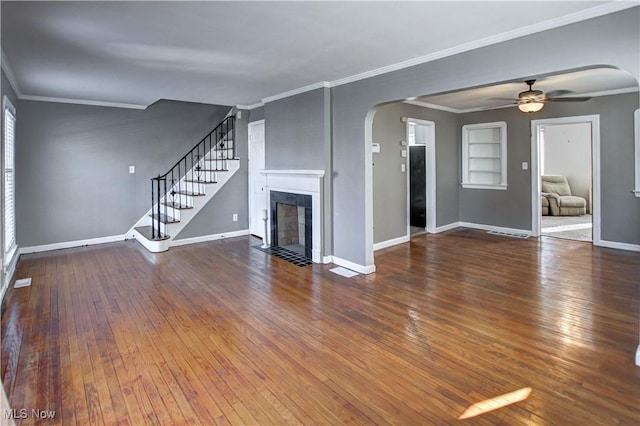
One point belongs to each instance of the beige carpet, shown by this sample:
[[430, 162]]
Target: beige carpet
[[577, 228]]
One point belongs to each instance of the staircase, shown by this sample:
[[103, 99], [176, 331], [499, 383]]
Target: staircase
[[178, 195]]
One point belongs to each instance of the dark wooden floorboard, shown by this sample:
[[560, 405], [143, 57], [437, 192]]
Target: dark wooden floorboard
[[220, 332]]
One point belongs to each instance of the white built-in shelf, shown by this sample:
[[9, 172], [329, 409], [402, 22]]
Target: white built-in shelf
[[484, 155]]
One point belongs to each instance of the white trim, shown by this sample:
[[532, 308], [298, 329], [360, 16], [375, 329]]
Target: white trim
[[638, 356], [9, 272], [447, 227], [432, 106], [327, 259], [536, 185], [481, 186], [636, 157], [484, 227], [368, 189], [4, 63], [310, 87], [560, 21], [370, 269], [430, 174], [71, 244], [212, 237], [81, 102], [392, 242], [250, 107], [608, 92], [619, 246], [253, 175]]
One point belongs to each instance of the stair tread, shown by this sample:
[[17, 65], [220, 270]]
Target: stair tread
[[201, 181], [147, 232], [190, 193], [164, 218], [177, 206]]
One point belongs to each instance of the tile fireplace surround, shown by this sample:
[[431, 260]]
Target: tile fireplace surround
[[306, 182]]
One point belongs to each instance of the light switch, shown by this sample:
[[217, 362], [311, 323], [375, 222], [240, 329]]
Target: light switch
[[403, 168], [403, 153], [132, 169], [525, 165]]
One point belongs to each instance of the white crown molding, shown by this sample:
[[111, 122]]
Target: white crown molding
[[250, 107], [320, 85], [608, 92], [4, 63], [81, 102], [433, 106], [594, 12]]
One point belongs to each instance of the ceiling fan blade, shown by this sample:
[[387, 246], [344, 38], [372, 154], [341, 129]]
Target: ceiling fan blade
[[557, 93], [576, 99]]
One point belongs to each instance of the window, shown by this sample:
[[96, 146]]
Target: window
[[636, 125], [484, 155], [9, 223]]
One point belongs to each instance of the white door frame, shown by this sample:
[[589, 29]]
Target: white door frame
[[536, 185], [250, 131], [430, 174]]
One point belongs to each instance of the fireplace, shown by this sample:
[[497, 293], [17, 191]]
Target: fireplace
[[292, 222], [295, 183]]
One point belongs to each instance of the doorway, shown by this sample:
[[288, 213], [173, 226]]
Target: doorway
[[568, 149], [421, 177], [257, 196]]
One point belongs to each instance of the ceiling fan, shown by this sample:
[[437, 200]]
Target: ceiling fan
[[533, 100]]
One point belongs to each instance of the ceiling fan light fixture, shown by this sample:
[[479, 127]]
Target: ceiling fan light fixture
[[530, 106]]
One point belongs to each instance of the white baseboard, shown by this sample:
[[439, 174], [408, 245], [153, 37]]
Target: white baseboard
[[71, 244], [327, 259], [484, 227], [619, 246], [354, 266], [447, 227], [391, 242], [211, 237], [9, 272]]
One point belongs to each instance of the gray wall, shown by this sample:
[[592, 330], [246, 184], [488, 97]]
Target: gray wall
[[72, 164], [256, 114], [512, 208], [390, 184], [610, 39], [295, 131]]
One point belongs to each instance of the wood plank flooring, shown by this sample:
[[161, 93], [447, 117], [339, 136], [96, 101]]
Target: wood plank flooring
[[222, 333]]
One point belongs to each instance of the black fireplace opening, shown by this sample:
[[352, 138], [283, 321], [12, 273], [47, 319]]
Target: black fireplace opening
[[291, 222]]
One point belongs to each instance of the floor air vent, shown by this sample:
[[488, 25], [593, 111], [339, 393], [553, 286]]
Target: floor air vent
[[508, 234]]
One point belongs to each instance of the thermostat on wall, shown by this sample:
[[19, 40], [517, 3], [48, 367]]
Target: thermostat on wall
[[375, 147]]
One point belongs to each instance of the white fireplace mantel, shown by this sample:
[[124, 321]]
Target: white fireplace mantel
[[307, 182]]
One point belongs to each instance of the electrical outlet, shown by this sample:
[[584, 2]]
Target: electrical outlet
[[525, 165], [235, 217]]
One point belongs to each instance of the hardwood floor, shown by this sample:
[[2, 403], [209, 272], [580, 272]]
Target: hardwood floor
[[223, 333]]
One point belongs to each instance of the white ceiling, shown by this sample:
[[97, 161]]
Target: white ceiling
[[237, 52], [592, 82]]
